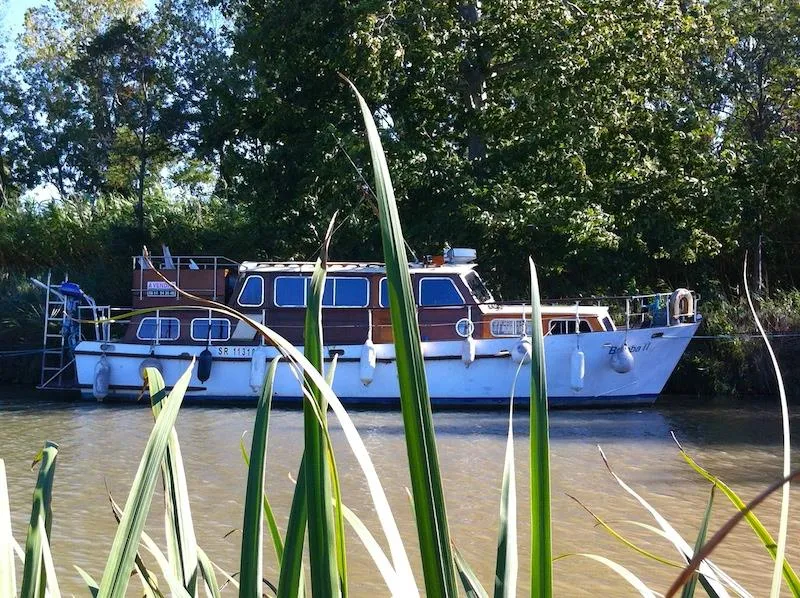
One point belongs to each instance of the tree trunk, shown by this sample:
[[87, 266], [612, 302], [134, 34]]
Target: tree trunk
[[474, 69]]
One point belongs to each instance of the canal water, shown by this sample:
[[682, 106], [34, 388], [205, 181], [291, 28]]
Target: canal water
[[737, 439]]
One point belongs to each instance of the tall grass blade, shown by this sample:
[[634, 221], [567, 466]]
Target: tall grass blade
[[637, 583], [689, 588], [149, 581], [354, 440], [179, 529], [541, 526], [469, 580], [755, 523], [426, 483], [322, 542], [207, 573], [713, 574], [614, 533], [34, 578], [506, 569], [269, 514], [126, 541], [52, 590], [252, 554], [8, 574], [290, 576], [393, 582], [91, 584], [722, 532], [783, 524]]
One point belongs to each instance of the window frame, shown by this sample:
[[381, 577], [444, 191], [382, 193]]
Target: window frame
[[210, 339], [450, 306], [568, 320], [244, 286], [307, 285], [157, 337]]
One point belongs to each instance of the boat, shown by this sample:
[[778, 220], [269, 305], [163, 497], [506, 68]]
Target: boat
[[473, 345]]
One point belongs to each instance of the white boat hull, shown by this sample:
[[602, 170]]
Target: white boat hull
[[488, 380]]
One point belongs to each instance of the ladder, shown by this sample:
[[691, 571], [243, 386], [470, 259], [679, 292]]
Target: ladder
[[57, 358]]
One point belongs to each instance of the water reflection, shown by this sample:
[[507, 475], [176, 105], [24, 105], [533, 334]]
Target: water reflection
[[101, 444]]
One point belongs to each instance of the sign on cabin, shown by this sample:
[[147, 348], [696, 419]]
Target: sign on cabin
[[159, 288]]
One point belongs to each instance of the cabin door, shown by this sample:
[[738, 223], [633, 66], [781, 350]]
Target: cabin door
[[441, 305]]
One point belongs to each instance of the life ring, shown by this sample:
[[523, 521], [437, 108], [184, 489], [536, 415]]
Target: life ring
[[681, 304]]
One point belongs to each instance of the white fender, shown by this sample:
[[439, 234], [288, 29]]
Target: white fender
[[258, 368], [622, 359], [577, 369], [102, 379], [150, 362], [367, 363], [468, 351], [522, 351]]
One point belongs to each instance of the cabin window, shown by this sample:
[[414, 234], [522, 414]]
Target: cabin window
[[292, 291], [607, 323], [349, 292], [252, 293], [477, 288], [438, 292], [383, 293], [511, 327], [567, 326], [211, 329], [164, 329]]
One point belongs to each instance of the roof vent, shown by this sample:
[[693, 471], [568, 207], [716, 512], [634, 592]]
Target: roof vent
[[460, 255]]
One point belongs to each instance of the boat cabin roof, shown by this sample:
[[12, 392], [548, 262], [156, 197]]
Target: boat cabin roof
[[351, 267]]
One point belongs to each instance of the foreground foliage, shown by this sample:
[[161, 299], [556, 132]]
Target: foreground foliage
[[318, 509]]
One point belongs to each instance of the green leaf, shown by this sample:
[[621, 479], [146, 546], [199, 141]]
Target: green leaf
[[126, 541], [470, 581], [637, 583], [290, 575], [689, 588], [506, 569], [755, 523], [207, 573], [322, 542], [252, 553], [426, 483], [89, 581], [34, 578], [8, 576], [541, 526], [179, 529]]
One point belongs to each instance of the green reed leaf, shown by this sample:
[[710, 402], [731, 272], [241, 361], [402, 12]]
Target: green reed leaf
[[34, 577], [290, 575], [179, 528], [469, 580], [637, 583], [541, 526], [126, 541], [8, 575], [768, 542], [689, 588], [426, 483], [272, 523], [207, 573], [252, 553], [506, 569], [322, 542], [91, 584]]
